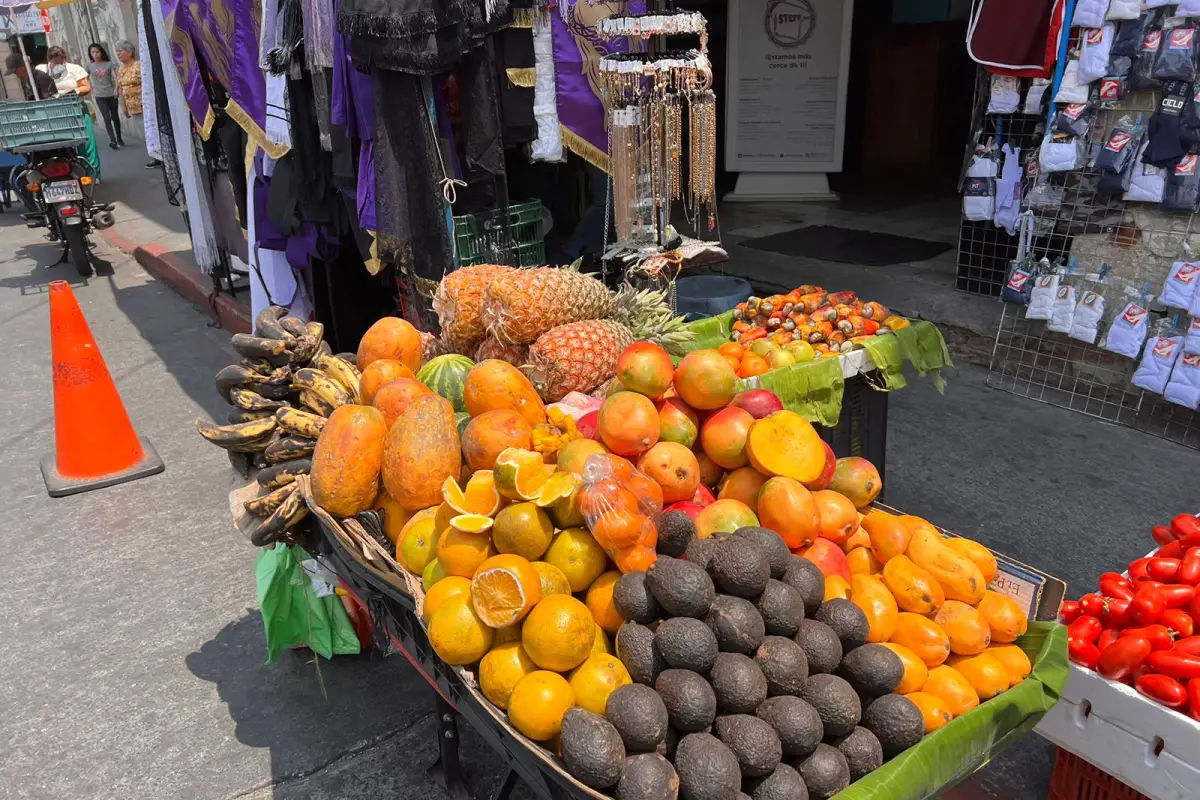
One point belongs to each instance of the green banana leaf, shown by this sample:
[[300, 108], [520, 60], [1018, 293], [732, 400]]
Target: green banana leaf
[[949, 755], [292, 613]]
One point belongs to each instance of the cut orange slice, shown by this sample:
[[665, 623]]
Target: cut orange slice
[[471, 523], [520, 474], [558, 487], [479, 497], [504, 589]]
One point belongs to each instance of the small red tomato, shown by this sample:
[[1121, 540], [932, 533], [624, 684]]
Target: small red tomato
[[1162, 534], [1177, 596], [1179, 622], [1115, 613], [1189, 645], [1146, 607], [1162, 689], [1171, 550], [1175, 664], [1085, 628], [1113, 584], [1159, 637], [1193, 690], [1083, 653], [1106, 638], [1185, 525], [1194, 608], [1068, 612], [1189, 570], [1146, 584], [1123, 656], [1163, 569], [1137, 569], [1091, 604]]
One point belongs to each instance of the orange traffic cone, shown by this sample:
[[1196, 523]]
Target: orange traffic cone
[[94, 441]]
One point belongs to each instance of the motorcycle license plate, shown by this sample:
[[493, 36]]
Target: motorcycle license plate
[[61, 191]]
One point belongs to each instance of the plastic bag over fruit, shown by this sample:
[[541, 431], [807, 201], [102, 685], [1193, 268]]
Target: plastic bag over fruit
[[620, 506]]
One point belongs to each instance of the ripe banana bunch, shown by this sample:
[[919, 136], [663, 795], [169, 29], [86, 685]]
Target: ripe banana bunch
[[286, 384]]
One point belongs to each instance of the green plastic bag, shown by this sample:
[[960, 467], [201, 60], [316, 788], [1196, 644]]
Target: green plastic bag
[[292, 613]]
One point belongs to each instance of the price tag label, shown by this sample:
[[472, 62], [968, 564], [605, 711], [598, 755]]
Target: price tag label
[[1020, 584]]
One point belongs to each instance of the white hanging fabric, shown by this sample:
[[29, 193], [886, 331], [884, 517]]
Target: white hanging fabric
[[272, 278], [149, 109], [548, 145]]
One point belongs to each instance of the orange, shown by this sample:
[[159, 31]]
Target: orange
[[442, 591], [558, 488], [537, 704], [559, 633], [617, 529], [461, 553], [478, 497], [457, 633], [602, 644], [507, 635], [416, 546], [523, 529], [432, 575], [732, 349], [580, 557], [519, 474], [554, 581], [649, 492], [753, 365], [504, 589], [933, 709], [575, 453], [608, 496], [595, 679], [501, 670], [395, 516], [600, 602], [736, 363], [444, 513]]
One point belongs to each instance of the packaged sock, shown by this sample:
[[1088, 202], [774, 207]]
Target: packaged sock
[[1074, 119], [1123, 9], [1089, 13], [1146, 180], [1128, 331], [979, 200], [1184, 386], [1164, 131], [1188, 8], [1005, 96], [1154, 371], [1016, 288], [1111, 92], [1041, 299], [1070, 90], [1191, 342], [1061, 155], [1086, 325], [1094, 52], [1035, 97], [1008, 191], [1179, 289], [1194, 308], [1062, 314], [1141, 77], [1181, 192]]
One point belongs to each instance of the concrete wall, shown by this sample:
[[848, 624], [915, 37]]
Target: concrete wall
[[72, 27]]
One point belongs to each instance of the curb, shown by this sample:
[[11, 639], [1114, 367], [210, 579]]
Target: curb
[[184, 279]]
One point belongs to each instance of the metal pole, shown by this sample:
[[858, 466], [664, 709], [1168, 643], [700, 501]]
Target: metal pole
[[28, 67], [87, 7]]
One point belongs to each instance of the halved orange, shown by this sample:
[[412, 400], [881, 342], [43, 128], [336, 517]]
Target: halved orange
[[519, 474], [557, 488], [479, 497], [472, 523], [504, 589]]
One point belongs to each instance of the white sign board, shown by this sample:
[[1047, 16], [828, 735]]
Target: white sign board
[[27, 19], [786, 89]]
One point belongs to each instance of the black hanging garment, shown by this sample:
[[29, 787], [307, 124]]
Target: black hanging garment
[[1166, 145]]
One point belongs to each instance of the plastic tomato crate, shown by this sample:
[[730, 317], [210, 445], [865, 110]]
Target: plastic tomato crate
[[1076, 779]]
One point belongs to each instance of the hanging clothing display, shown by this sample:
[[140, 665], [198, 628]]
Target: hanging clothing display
[[1016, 37], [149, 106]]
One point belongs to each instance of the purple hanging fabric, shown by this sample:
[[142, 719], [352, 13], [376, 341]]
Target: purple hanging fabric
[[445, 130]]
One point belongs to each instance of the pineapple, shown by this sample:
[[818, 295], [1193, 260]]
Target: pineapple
[[458, 302], [491, 347], [576, 357], [433, 346], [521, 305]]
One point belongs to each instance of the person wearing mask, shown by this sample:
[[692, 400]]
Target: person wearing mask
[[102, 74], [67, 76], [14, 64], [129, 87]]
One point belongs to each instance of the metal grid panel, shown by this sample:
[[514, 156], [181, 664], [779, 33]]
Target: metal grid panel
[[1139, 243]]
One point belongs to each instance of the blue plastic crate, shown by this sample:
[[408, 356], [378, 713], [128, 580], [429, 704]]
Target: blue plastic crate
[[41, 123]]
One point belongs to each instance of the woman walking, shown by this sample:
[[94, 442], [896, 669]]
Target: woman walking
[[129, 87], [103, 75]]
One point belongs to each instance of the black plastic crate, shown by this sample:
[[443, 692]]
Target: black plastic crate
[[862, 427]]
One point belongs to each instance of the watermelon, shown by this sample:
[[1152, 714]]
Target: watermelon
[[445, 376]]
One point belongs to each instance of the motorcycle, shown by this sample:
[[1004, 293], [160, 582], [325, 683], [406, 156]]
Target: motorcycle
[[59, 192]]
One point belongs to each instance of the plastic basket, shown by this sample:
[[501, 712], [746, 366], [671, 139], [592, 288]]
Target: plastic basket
[[861, 428], [41, 123], [1077, 779], [514, 236]]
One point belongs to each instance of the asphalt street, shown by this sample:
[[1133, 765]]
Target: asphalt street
[[133, 659]]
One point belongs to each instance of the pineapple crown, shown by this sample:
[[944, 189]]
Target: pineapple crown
[[647, 313]]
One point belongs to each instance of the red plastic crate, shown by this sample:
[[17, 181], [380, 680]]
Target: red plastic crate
[[1077, 779]]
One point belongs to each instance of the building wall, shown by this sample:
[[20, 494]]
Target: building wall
[[72, 26]]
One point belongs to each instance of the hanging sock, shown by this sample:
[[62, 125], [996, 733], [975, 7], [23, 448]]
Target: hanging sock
[[1093, 54], [1128, 331], [1086, 324], [1184, 386], [1191, 343], [1179, 289], [1041, 299], [1062, 317], [1008, 191], [1089, 13], [1154, 371]]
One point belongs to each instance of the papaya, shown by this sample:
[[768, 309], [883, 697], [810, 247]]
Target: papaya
[[987, 676], [960, 579], [953, 689], [1014, 659], [423, 449], [860, 539], [965, 627], [979, 555], [915, 671], [1002, 614], [863, 562], [933, 709], [495, 384], [914, 588], [836, 588], [347, 460], [877, 603], [923, 636], [889, 538]]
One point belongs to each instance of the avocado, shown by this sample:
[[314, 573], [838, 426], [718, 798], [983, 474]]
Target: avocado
[[676, 531], [592, 750], [691, 703], [782, 784], [708, 770], [682, 588], [872, 670], [782, 609], [862, 750], [637, 650], [783, 664], [752, 740], [736, 622], [647, 776], [847, 620], [700, 551], [806, 577], [825, 772], [836, 702], [639, 715], [740, 567], [796, 722], [633, 599], [821, 645], [772, 545], [897, 723], [686, 643], [738, 683]]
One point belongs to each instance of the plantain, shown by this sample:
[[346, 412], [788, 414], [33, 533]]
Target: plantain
[[259, 365], [321, 385], [239, 435], [305, 348], [277, 385], [265, 505], [315, 404], [294, 326], [258, 346], [349, 358], [323, 349], [236, 375], [275, 475], [266, 324], [343, 372], [315, 329], [289, 512], [288, 448], [301, 423], [238, 415], [251, 400], [241, 462]]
